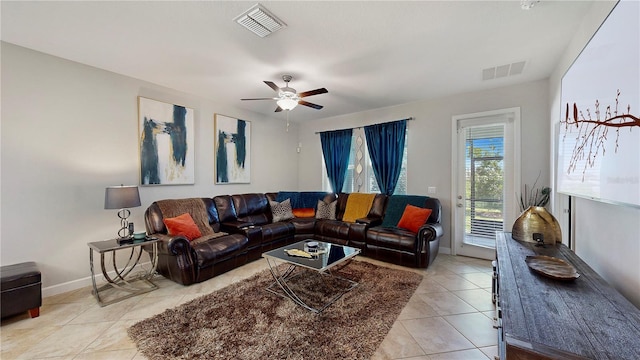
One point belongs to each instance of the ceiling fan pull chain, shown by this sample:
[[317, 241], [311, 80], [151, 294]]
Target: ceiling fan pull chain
[[287, 120]]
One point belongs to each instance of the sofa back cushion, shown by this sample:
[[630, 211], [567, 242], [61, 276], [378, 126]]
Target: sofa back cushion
[[397, 204], [253, 208], [341, 205], [225, 208], [378, 206]]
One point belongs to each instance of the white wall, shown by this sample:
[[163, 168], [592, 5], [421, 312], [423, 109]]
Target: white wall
[[429, 140], [70, 130], [605, 236]]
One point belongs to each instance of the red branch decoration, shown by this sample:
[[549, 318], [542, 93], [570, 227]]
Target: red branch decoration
[[592, 133]]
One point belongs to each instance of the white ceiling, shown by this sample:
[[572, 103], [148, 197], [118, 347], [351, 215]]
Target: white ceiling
[[367, 54]]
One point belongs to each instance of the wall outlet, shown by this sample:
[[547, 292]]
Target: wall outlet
[[431, 190]]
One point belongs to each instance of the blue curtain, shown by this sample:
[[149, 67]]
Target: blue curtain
[[336, 146], [386, 149]]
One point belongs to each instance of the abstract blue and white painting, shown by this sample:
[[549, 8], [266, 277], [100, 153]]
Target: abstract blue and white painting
[[166, 143], [232, 150]]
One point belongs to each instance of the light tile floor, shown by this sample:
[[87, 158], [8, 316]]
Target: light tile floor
[[448, 317]]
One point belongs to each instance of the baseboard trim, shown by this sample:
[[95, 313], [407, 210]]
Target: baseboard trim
[[79, 283], [444, 250]]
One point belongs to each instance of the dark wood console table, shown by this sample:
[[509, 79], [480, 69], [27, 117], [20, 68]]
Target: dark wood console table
[[543, 318]]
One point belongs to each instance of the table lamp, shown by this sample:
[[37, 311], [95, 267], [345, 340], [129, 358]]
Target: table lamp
[[122, 197]]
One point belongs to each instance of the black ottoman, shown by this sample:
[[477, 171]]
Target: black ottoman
[[21, 289]]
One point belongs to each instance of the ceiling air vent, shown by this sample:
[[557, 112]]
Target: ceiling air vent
[[503, 71], [259, 21]]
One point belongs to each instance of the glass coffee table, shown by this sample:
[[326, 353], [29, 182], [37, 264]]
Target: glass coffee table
[[290, 280]]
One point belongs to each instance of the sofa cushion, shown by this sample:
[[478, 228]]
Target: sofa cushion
[[332, 229], [281, 210], [391, 238], [219, 249], [396, 205], [183, 225], [358, 206], [326, 211], [206, 238], [413, 218], [304, 213], [277, 231], [304, 226]]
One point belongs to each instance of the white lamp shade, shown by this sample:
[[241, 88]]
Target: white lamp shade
[[287, 104], [121, 197]]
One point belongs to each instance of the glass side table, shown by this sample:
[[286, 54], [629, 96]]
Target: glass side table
[[120, 278]]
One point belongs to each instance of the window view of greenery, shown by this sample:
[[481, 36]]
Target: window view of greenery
[[484, 186]]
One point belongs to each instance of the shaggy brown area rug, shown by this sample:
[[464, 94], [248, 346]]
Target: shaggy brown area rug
[[244, 321]]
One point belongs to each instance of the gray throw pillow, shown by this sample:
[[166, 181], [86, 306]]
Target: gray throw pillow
[[281, 210], [326, 211]]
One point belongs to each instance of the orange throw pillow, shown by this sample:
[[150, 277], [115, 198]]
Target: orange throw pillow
[[183, 225], [413, 218], [304, 212]]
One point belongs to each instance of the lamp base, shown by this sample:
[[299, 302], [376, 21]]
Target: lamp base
[[126, 240], [124, 232]]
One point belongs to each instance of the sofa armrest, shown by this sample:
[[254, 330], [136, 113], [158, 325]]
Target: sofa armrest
[[179, 245], [235, 227], [170, 245], [430, 232], [177, 259], [370, 221]]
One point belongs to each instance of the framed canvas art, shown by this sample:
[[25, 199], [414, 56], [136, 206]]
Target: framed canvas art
[[166, 143], [599, 130], [232, 150]]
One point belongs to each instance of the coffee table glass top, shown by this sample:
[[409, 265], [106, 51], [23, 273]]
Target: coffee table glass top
[[327, 255]]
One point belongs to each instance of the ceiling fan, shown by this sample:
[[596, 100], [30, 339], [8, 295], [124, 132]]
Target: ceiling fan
[[288, 98]]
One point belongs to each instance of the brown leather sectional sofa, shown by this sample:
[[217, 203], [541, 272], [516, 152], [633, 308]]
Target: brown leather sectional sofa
[[243, 229]]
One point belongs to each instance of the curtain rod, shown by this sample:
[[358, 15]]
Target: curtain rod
[[360, 127]]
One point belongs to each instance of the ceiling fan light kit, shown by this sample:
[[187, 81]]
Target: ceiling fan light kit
[[287, 103], [288, 98]]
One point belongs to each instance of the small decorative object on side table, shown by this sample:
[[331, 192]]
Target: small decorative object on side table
[[120, 280]]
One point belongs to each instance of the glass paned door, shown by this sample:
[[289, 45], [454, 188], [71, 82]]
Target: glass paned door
[[486, 174]]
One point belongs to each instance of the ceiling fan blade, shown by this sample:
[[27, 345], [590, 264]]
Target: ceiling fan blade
[[278, 109], [272, 85], [261, 99], [313, 92], [306, 103]]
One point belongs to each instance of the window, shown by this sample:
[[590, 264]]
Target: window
[[484, 168], [360, 176]]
